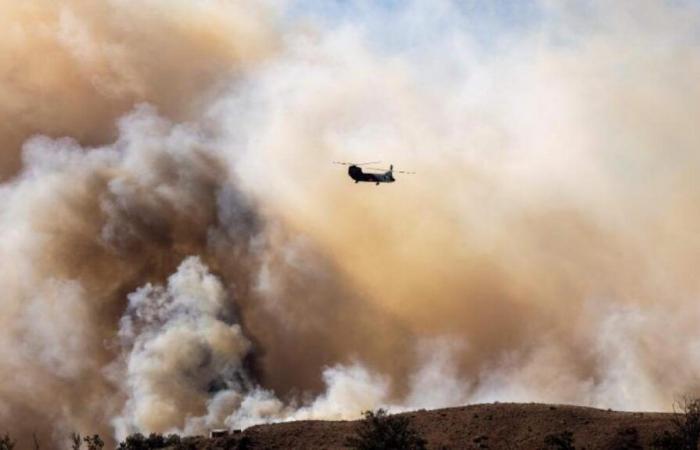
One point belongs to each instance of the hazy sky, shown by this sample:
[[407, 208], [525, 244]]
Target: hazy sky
[[399, 25]]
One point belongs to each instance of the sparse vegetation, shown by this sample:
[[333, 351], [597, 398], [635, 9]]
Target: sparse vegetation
[[94, 442], [381, 431], [466, 426], [686, 427], [6, 443], [187, 443], [77, 441], [154, 441], [559, 441], [626, 439]]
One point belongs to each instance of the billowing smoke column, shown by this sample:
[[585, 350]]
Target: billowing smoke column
[[181, 347], [177, 254]]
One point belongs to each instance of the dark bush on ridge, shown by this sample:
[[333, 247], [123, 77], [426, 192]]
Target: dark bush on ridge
[[139, 442], [559, 441], [94, 442], [188, 443], [380, 431]]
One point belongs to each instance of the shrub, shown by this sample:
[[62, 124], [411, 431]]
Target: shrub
[[667, 441], [94, 442], [380, 431], [135, 441], [154, 441], [560, 441], [172, 440], [77, 441], [686, 428], [626, 439], [187, 443], [6, 443]]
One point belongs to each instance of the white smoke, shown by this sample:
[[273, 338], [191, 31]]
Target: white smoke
[[183, 353], [180, 345]]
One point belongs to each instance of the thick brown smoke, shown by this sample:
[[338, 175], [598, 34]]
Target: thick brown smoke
[[178, 254], [73, 67]]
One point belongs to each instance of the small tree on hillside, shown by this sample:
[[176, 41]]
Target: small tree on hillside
[[136, 441], [686, 427], [380, 431]]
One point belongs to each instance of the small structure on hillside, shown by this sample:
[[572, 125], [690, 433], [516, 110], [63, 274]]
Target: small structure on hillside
[[218, 432]]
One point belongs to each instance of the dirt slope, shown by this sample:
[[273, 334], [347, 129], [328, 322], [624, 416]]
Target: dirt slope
[[494, 426]]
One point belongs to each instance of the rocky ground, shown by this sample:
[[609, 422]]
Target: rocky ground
[[497, 426]]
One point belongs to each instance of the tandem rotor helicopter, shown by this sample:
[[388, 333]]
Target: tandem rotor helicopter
[[376, 176]]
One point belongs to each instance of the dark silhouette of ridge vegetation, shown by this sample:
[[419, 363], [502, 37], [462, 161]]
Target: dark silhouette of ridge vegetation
[[686, 427], [559, 441], [381, 431], [94, 442], [154, 441]]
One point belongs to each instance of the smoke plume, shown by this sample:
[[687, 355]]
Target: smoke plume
[[179, 254]]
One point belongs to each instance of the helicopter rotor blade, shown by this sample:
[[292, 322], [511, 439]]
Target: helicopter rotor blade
[[355, 164], [379, 169], [384, 169]]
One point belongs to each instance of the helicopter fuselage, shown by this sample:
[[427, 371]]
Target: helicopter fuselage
[[358, 175]]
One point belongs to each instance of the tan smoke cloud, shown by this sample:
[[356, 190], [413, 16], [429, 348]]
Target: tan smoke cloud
[[555, 191], [73, 67], [195, 261]]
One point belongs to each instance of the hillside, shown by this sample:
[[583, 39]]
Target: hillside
[[496, 426]]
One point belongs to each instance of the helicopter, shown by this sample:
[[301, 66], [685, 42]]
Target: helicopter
[[383, 176]]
